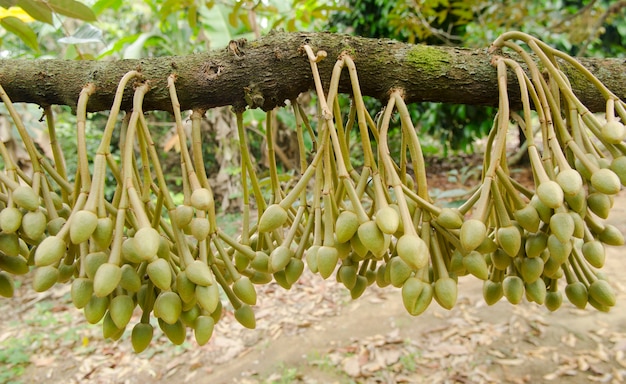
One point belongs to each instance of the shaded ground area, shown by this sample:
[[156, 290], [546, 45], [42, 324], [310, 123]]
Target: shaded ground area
[[314, 333]]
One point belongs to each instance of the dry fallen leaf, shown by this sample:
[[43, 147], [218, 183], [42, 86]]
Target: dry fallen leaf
[[42, 360], [351, 366], [509, 361]]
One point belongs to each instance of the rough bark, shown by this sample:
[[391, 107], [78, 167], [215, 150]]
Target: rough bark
[[275, 68]]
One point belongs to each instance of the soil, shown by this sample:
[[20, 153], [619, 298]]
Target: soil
[[314, 333]]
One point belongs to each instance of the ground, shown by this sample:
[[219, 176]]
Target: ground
[[315, 333]]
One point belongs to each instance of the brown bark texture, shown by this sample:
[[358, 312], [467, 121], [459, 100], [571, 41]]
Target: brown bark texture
[[266, 72]]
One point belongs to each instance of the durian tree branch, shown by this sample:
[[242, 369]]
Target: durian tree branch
[[266, 72]]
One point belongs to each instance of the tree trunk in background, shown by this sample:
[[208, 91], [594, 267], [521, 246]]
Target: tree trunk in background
[[275, 68]]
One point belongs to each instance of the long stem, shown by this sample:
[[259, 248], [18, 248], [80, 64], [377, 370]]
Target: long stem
[[144, 186], [180, 131], [245, 226], [510, 188], [368, 154], [503, 120], [21, 129], [154, 156], [103, 153], [396, 183], [57, 153], [341, 136], [269, 138], [307, 125], [234, 274], [415, 149], [245, 158], [304, 243], [482, 207], [437, 255], [128, 168], [9, 166], [313, 59], [196, 146], [81, 116], [500, 208], [318, 236], [115, 257], [300, 135]]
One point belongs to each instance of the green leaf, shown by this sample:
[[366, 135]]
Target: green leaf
[[232, 16], [7, 3], [442, 16], [217, 31], [101, 5], [168, 7], [232, 19], [134, 51], [245, 20], [22, 30], [118, 46], [38, 10], [73, 9], [278, 22], [86, 33], [192, 16]]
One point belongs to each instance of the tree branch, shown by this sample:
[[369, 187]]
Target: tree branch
[[275, 68]]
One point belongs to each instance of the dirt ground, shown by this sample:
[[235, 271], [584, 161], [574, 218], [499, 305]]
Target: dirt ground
[[314, 333]]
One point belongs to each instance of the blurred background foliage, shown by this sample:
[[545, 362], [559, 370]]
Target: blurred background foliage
[[116, 29]]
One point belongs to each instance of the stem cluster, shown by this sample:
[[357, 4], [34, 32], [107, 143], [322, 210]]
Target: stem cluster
[[366, 224]]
